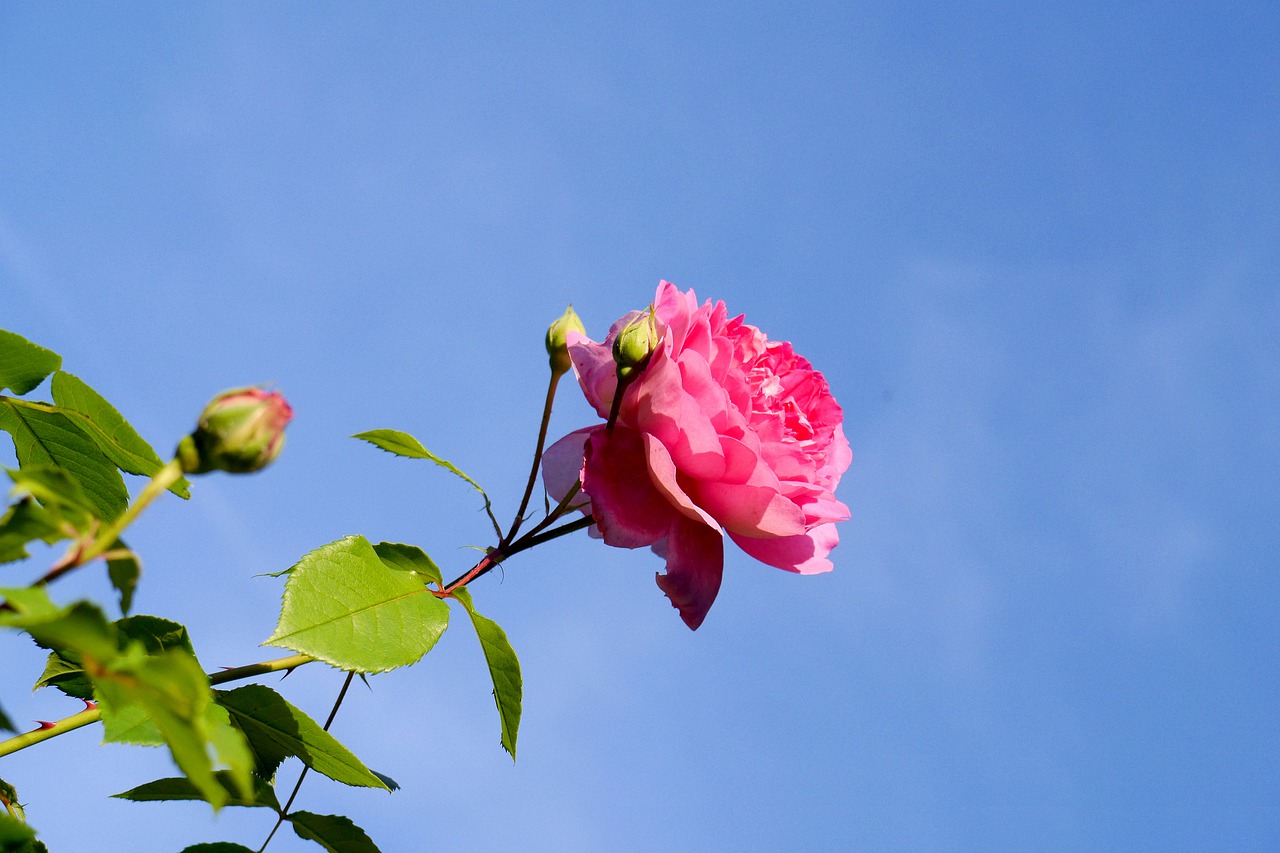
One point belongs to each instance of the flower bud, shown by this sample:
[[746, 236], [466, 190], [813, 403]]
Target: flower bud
[[240, 431], [634, 344], [558, 340]]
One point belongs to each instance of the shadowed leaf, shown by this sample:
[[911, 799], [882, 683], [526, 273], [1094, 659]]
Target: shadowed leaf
[[334, 833], [105, 426], [276, 730], [45, 436]]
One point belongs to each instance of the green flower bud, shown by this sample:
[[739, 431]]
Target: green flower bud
[[240, 431], [558, 340], [634, 344]]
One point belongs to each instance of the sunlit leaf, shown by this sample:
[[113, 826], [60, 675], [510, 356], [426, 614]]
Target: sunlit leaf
[[345, 606], [43, 436], [409, 558], [115, 437], [504, 669], [403, 444], [180, 788], [276, 729], [24, 365], [334, 833]]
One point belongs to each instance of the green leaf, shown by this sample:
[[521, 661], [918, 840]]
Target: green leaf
[[123, 569], [115, 437], [217, 847], [276, 730], [6, 725], [173, 692], [345, 606], [17, 837], [403, 444], [64, 670], [9, 800], [24, 365], [180, 788], [45, 436], [334, 833], [59, 494], [26, 521], [504, 669], [409, 558], [166, 688]]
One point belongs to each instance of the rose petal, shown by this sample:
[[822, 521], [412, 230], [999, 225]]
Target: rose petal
[[628, 509], [695, 565], [805, 554], [662, 470], [562, 463]]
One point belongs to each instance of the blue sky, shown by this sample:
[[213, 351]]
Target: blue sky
[[1032, 247]]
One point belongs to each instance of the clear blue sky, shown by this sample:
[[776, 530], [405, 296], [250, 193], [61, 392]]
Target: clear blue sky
[[1033, 247]]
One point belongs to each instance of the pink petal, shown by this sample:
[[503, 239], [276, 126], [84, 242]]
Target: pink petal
[[596, 372], [628, 509], [662, 471], [805, 554], [695, 564], [674, 418], [562, 463]]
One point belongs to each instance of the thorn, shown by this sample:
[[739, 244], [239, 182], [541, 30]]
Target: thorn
[[89, 704], [45, 725], [226, 668]]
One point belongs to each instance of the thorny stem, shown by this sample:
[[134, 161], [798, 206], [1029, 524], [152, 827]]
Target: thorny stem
[[333, 712], [537, 457]]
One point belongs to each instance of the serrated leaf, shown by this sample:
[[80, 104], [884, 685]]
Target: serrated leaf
[[504, 669], [105, 426], [409, 558], [217, 847], [345, 606], [64, 671], [180, 788], [25, 522], [45, 437], [334, 833], [403, 444], [392, 784], [276, 730], [24, 365]]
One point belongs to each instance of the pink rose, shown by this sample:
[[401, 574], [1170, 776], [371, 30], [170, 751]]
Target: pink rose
[[724, 431]]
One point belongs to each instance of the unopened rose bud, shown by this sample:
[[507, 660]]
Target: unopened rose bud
[[240, 431], [558, 340], [634, 344]]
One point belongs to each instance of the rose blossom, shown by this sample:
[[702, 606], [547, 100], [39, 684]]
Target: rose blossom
[[723, 431]]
